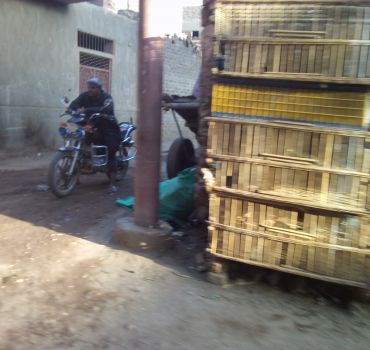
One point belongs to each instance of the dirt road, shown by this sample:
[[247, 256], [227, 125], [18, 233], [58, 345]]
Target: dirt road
[[63, 285]]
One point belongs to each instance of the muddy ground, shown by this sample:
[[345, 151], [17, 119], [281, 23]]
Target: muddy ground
[[64, 285]]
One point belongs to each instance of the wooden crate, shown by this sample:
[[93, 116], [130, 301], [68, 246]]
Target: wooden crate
[[298, 184], [315, 244], [301, 105], [305, 39], [300, 19], [296, 57], [291, 197], [309, 145]]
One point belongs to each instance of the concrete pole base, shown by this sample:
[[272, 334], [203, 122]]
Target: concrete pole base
[[128, 233]]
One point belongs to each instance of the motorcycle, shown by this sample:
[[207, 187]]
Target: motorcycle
[[79, 156]]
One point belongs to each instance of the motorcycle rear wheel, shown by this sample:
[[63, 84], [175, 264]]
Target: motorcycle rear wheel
[[122, 166], [60, 183]]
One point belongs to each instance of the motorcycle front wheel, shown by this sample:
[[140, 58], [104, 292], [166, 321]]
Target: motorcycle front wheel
[[60, 183]]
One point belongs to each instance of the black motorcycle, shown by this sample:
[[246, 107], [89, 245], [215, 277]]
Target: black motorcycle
[[80, 156]]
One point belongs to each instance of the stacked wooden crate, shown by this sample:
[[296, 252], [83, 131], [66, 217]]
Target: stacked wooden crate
[[274, 38], [291, 161]]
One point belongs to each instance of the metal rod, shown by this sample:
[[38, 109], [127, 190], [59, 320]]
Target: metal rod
[[147, 172], [182, 105], [177, 123]]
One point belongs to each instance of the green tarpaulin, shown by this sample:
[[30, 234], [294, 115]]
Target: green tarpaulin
[[175, 197]]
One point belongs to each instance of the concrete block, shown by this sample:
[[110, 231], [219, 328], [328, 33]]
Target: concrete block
[[128, 233], [219, 279]]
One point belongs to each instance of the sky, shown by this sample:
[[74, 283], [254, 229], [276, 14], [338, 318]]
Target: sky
[[134, 4], [164, 22]]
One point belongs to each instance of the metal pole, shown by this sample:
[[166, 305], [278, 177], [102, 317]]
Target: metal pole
[[147, 172]]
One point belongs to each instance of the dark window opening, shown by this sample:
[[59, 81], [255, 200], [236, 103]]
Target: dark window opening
[[93, 42]]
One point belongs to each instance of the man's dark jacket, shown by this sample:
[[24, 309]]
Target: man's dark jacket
[[101, 104]]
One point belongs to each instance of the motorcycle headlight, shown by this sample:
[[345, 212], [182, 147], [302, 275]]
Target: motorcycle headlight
[[63, 130], [80, 133]]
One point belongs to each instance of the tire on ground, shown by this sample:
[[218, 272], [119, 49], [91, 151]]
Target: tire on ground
[[180, 156]]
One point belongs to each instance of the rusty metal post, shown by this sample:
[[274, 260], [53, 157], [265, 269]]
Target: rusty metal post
[[147, 173]]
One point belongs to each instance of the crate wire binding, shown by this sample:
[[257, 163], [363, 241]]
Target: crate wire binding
[[315, 40]]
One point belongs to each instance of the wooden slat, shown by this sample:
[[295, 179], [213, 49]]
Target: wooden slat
[[238, 243], [250, 227], [325, 79], [312, 250], [230, 148], [245, 58], [355, 283], [303, 242], [321, 253], [229, 174], [262, 140], [277, 58], [220, 138], [223, 175], [311, 59], [297, 55], [282, 162], [296, 202], [364, 51], [237, 139], [283, 126], [218, 171], [359, 154], [319, 59], [366, 158], [337, 148], [326, 60], [249, 148], [290, 58], [333, 241], [256, 217], [263, 59], [261, 241], [255, 40], [339, 67], [225, 236], [235, 175], [239, 57], [211, 135], [231, 241], [243, 142], [233, 51], [256, 141]]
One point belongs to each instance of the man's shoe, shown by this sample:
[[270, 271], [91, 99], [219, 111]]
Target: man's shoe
[[112, 189]]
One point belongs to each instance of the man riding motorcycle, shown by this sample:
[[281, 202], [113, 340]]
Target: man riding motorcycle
[[96, 100]]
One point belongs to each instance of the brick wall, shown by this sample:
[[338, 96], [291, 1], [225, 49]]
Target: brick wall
[[181, 67]]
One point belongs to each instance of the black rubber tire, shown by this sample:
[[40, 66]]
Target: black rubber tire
[[180, 156], [52, 179]]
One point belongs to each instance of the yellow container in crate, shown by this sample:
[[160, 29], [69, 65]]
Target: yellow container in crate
[[301, 105]]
